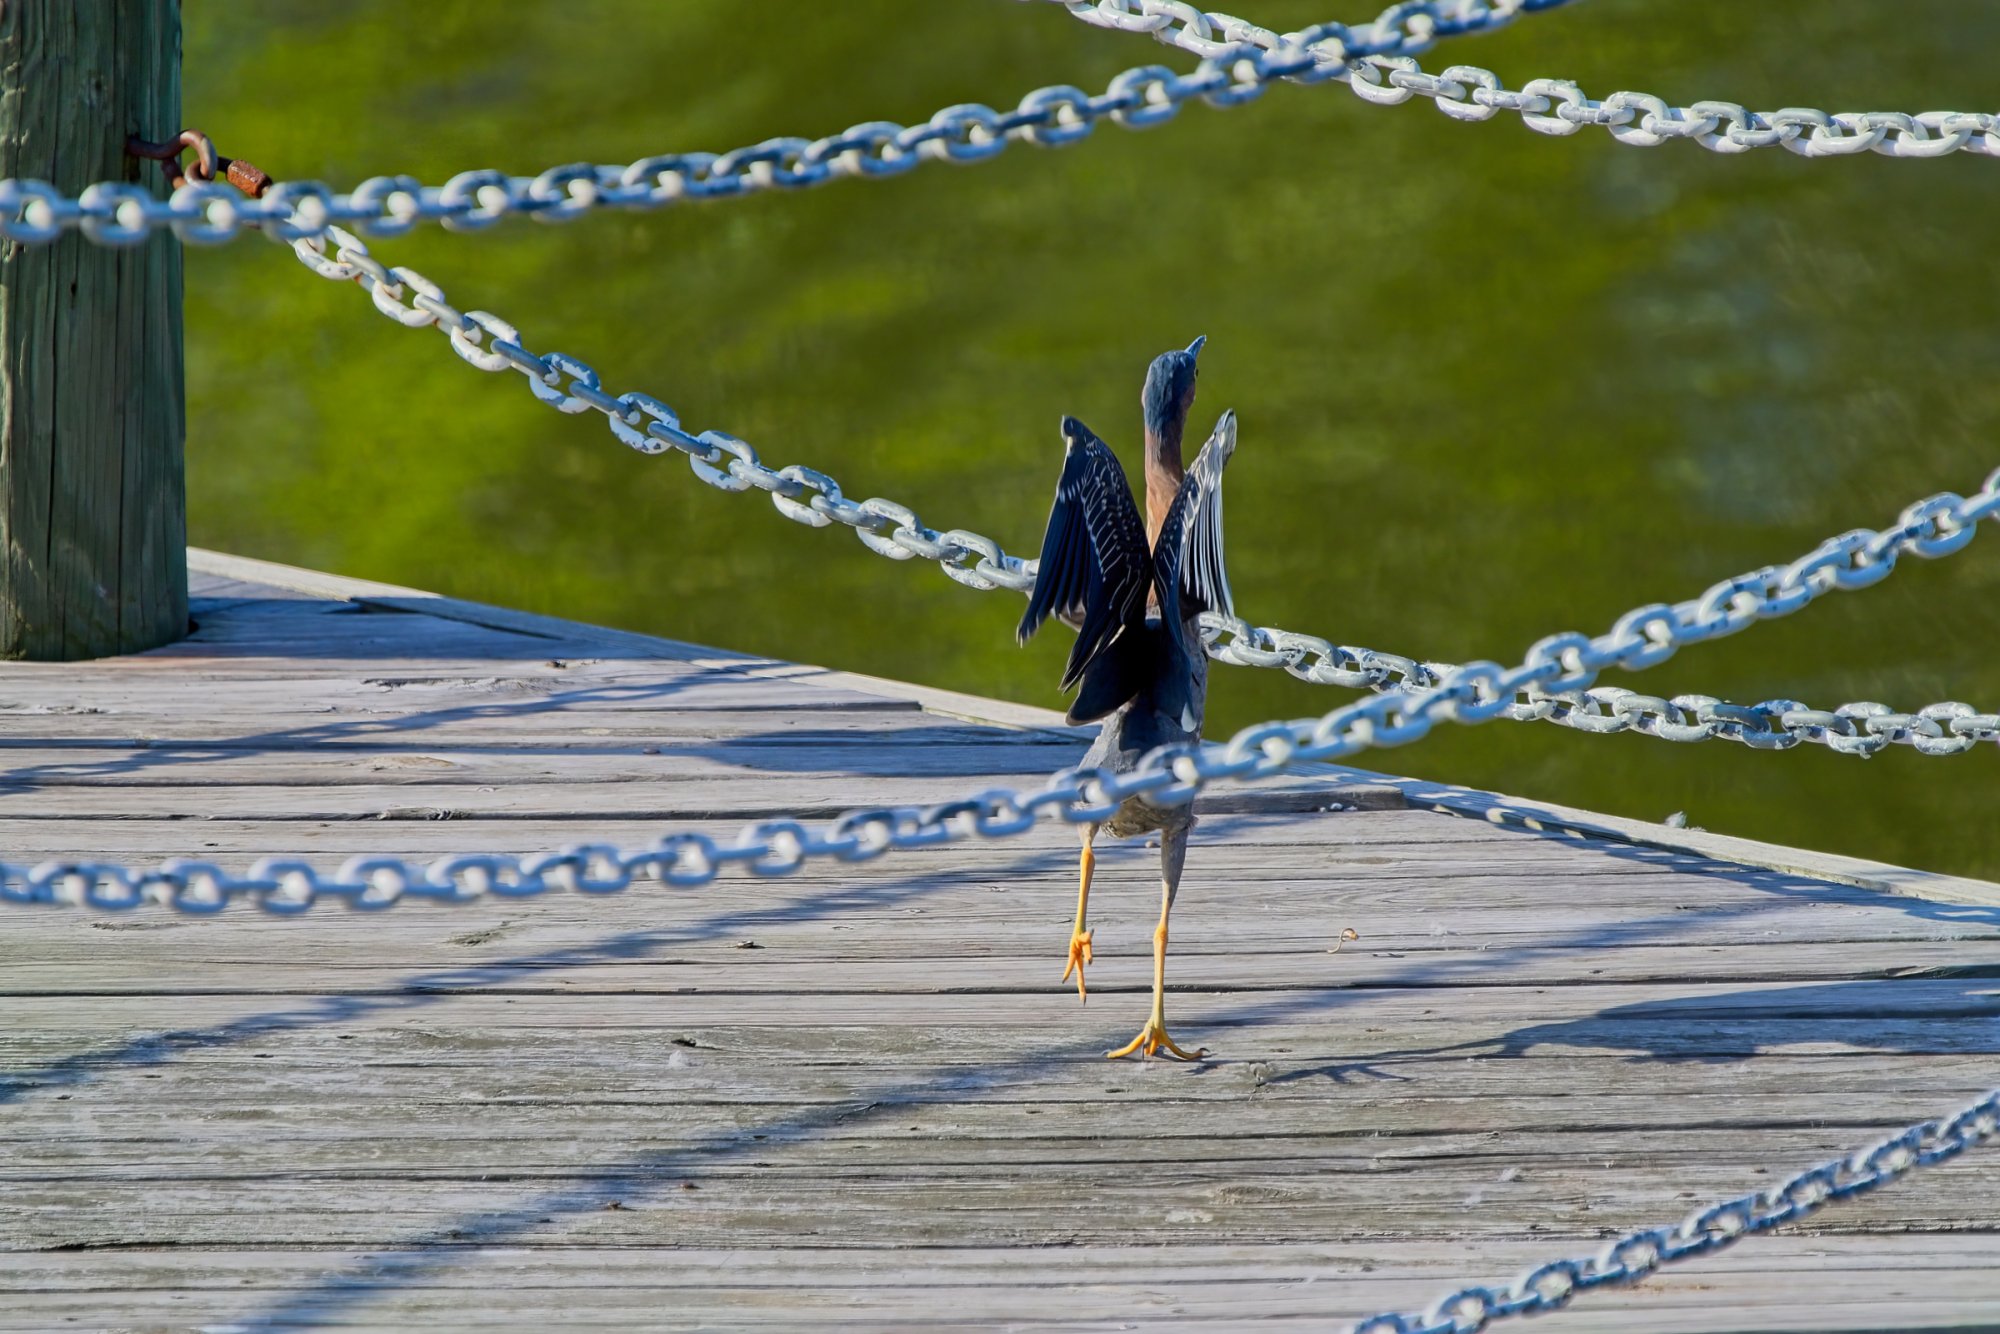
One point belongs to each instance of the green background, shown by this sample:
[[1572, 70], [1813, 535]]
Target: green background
[[1492, 384]]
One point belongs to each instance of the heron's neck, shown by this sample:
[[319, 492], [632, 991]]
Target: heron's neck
[[1164, 471]]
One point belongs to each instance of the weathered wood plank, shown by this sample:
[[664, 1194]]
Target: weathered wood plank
[[1018, 961], [1100, 1199], [859, 1097], [1973, 1002], [920, 925], [1871, 1284], [404, 695]]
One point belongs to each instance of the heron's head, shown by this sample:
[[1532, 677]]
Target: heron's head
[[1169, 390]]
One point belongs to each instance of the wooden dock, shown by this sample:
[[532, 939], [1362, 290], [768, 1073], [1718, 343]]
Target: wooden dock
[[858, 1097]]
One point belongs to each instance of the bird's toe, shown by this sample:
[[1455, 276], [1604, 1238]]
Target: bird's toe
[[1153, 1039], [1079, 955]]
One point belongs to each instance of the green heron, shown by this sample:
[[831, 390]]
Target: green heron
[[1132, 591]]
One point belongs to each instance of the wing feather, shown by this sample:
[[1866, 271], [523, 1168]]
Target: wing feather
[[1188, 557], [1094, 571]]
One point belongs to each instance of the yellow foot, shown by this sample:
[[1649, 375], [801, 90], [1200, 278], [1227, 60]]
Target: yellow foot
[[1153, 1038], [1079, 955]]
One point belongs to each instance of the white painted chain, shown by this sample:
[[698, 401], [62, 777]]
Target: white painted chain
[[1637, 1255], [1376, 60], [1405, 29], [647, 424], [1554, 682], [209, 213], [1389, 77], [1929, 528], [1474, 692], [1936, 526]]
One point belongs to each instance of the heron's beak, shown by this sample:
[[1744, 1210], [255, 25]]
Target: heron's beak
[[1194, 348]]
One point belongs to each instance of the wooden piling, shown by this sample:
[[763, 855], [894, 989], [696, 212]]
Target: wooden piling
[[93, 522]]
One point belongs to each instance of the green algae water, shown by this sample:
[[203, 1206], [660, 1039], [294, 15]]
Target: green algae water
[[1491, 385]]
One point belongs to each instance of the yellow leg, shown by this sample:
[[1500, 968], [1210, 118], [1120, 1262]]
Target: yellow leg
[[1153, 1037], [1079, 939]]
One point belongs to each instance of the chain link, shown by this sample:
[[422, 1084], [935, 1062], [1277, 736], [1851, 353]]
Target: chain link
[[1561, 107], [1863, 728], [1473, 692], [1375, 61], [392, 205], [651, 426], [113, 213], [1173, 774], [1936, 526], [1932, 527], [1403, 29], [1239, 60], [1636, 1255], [1553, 683]]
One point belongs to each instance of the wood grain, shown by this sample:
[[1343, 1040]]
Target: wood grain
[[93, 519], [859, 1097]]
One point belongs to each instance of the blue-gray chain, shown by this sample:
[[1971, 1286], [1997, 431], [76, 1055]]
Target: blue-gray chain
[[1474, 692], [1389, 77], [1402, 29], [1375, 60], [1928, 528], [1637, 1254], [117, 213], [1553, 683]]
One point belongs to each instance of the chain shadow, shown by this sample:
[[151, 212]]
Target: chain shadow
[[1725, 1029], [952, 750], [335, 1296], [355, 734], [919, 752], [245, 627], [1717, 1038], [1901, 887], [441, 986], [1782, 884], [241, 619], [943, 749], [437, 1248]]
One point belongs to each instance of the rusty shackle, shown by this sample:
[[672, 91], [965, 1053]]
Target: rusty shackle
[[208, 163]]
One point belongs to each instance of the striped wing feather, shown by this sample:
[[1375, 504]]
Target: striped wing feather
[[1094, 571], [1189, 554]]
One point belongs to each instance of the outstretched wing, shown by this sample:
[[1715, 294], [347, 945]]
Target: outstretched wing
[[1188, 555], [1094, 569]]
